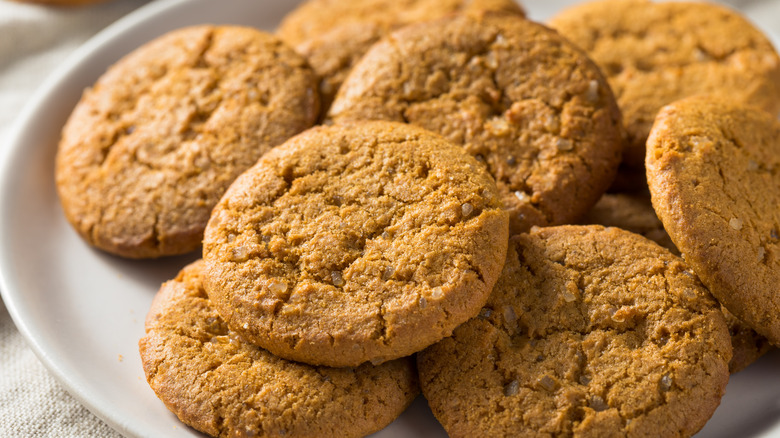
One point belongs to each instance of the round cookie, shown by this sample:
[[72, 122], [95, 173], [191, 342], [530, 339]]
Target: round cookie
[[334, 34], [590, 331], [217, 383], [149, 150], [513, 93], [656, 53], [355, 243], [713, 170], [634, 212]]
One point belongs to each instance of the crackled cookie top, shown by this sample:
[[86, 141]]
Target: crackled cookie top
[[151, 147], [334, 34], [355, 243], [513, 93], [655, 53], [634, 212], [590, 331], [713, 167], [219, 384]]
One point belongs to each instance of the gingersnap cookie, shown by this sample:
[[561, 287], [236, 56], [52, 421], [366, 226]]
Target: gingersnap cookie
[[713, 170], [151, 147], [512, 93], [334, 34], [354, 243], [590, 331], [219, 384], [656, 53]]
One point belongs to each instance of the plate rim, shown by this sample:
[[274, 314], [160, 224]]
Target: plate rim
[[10, 154]]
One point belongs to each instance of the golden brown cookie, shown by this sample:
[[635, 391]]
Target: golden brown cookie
[[655, 53], [149, 150], [513, 93], [590, 332], [355, 243], [217, 383], [713, 167], [334, 34], [634, 212]]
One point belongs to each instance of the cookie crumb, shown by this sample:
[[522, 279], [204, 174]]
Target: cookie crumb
[[437, 293], [466, 209], [735, 223], [423, 302], [761, 253]]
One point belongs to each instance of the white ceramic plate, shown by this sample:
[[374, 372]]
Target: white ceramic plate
[[82, 311]]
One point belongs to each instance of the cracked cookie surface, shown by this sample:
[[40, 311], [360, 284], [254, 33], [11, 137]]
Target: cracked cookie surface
[[334, 34], [634, 212], [512, 93], [713, 167], [354, 243], [217, 383], [589, 331], [151, 147], [655, 53]]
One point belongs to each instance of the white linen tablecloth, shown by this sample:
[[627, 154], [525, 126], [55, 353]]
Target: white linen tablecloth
[[33, 41]]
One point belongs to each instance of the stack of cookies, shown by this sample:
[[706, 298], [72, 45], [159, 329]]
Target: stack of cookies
[[446, 227]]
